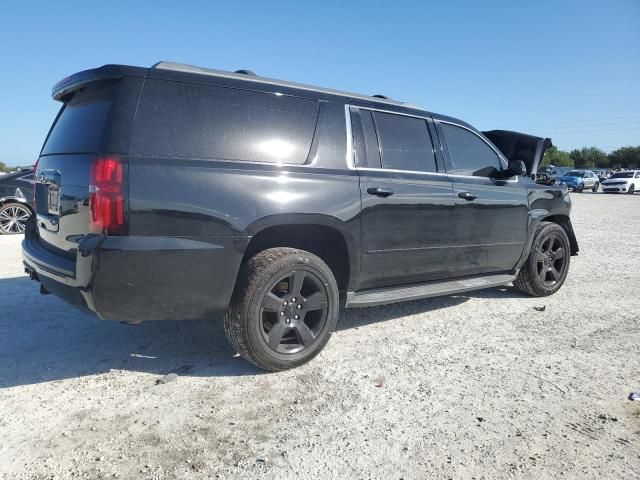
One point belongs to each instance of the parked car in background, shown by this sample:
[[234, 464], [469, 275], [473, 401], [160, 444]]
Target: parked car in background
[[193, 192], [16, 201], [578, 180], [622, 182]]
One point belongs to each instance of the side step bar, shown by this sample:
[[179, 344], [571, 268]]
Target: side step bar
[[369, 298]]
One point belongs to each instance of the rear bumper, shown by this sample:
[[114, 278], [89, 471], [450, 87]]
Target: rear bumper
[[134, 279]]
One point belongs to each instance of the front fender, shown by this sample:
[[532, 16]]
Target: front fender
[[548, 203]]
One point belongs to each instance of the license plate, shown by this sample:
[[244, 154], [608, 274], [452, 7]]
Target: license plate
[[54, 199]]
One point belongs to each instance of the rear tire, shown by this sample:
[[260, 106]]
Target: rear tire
[[546, 268], [580, 188], [283, 310], [596, 186]]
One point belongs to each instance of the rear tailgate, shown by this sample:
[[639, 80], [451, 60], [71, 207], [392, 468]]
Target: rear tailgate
[[94, 123]]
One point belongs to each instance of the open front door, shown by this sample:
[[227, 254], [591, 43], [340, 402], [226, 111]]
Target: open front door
[[520, 146]]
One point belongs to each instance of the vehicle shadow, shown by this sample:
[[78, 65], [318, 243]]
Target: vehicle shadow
[[43, 339]]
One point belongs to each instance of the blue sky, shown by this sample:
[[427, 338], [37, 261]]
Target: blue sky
[[565, 69]]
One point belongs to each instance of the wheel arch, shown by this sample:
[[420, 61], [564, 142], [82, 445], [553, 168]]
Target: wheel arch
[[20, 200], [565, 222], [326, 238]]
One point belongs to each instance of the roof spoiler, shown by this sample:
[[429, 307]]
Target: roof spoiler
[[107, 72]]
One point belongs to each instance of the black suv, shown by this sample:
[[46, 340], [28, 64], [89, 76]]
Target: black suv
[[179, 192]]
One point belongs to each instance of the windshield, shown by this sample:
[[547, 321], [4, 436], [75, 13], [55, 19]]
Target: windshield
[[575, 173], [622, 175]]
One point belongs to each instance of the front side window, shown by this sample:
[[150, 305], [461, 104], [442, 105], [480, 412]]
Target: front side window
[[469, 154], [405, 143]]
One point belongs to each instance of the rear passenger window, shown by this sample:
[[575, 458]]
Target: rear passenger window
[[405, 143], [200, 121], [468, 153]]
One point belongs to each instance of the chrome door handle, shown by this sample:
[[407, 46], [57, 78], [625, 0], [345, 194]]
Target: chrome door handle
[[380, 191], [467, 196]]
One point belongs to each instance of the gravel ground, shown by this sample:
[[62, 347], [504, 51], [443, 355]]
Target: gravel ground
[[470, 386]]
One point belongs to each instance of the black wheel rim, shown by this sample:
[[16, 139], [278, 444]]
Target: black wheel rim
[[551, 260], [294, 312], [13, 219]]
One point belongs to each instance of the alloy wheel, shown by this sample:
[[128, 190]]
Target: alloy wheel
[[551, 260], [294, 312], [13, 218]]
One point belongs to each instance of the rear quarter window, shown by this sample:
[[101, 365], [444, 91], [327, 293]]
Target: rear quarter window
[[207, 122]]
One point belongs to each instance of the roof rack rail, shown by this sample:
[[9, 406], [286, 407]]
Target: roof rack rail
[[251, 76]]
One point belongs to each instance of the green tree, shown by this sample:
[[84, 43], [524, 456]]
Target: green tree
[[3, 167], [589, 157], [625, 157], [596, 157], [557, 158]]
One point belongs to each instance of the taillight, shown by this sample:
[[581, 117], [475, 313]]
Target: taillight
[[106, 197]]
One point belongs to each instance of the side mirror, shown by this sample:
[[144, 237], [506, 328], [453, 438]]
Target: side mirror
[[516, 168]]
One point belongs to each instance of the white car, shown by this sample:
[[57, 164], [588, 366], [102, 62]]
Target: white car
[[624, 182]]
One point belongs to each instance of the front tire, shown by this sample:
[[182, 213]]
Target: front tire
[[546, 268], [580, 188], [632, 189], [596, 186], [283, 310]]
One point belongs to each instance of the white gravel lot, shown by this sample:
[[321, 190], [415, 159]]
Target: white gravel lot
[[470, 386]]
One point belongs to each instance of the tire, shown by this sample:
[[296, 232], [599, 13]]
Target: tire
[[632, 189], [13, 218], [580, 188], [291, 291], [596, 186], [545, 270]]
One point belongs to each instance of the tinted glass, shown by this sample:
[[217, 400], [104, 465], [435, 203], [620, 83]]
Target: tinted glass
[[622, 175], [365, 142], [405, 143], [81, 123], [200, 121], [575, 174], [469, 154]]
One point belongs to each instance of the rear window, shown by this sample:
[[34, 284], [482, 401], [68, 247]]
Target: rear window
[[201, 121], [81, 122]]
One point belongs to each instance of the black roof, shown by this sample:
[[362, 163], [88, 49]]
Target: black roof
[[179, 71]]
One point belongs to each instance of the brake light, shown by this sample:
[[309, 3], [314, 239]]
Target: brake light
[[106, 197]]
